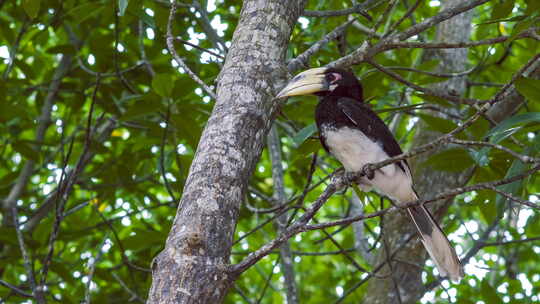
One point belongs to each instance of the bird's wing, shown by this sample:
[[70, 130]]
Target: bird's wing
[[372, 126]]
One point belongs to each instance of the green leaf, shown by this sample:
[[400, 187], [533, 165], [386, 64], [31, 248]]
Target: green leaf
[[521, 26], [26, 150], [489, 294], [141, 107], [517, 168], [488, 210], [507, 126], [163, 84], [500, 11], [451, 160], [480, 156], [532, 6], [530, 88], [122, 5], [85, 11], [143, 239], [7, 235], [438, 124], [31, 7], [502, 131], [62, 49], [304, 134], [434, 99]]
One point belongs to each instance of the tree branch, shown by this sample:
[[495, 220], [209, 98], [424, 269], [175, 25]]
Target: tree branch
[[287, 266], [43, 123], [302, 60], [177, 59]]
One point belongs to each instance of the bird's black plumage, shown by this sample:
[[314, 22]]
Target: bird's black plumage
[[356, 136], [340, 111]]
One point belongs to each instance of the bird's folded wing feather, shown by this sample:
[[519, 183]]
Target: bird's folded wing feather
[[372, 126]]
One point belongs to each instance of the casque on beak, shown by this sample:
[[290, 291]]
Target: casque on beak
[[305, 83]]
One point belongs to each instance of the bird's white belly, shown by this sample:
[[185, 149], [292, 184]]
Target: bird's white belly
[[354, 150]]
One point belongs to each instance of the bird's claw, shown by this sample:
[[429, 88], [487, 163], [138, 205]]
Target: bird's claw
[[368, 172], [350, 177]]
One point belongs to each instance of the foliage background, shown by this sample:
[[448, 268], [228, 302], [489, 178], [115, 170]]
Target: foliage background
[[97, 202]]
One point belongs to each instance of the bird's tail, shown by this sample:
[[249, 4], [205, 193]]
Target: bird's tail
[[437, 245]]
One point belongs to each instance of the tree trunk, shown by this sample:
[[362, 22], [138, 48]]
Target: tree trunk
[[192, 268]]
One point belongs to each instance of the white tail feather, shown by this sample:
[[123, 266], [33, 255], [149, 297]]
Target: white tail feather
[[437, 245]]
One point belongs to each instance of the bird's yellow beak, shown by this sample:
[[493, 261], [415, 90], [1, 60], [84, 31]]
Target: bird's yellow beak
[[307, 82]]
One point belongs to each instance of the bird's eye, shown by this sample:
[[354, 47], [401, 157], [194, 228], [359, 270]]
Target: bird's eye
[[333, 77]]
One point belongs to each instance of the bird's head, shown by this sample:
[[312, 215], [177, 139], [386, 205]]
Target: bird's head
[[323, 82]]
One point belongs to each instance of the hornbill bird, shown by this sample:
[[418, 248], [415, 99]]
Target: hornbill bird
[[356, 136]]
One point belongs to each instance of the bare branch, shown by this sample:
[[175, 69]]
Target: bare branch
[[515, 199], [177, 59], [37, 291], [523, 158], [440, 17], [512, 242], [446, 138], [61, 196], [134, 296], [204, 21], [466, 44], [337, 183], [428, 91], [43, 123], [364, 51], [358, 9], [405, 16], [274, 147], [443, 195], [199, 48], [16, 289], [301, 61], [93, 262]]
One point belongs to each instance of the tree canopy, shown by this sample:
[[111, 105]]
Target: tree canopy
[[104, 102]]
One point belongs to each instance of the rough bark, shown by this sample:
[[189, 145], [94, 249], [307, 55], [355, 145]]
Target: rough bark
[[286, 261], [192, 268], [428, 181]]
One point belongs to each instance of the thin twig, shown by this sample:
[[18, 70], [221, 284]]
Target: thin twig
[[359, 9], [179, 61], [405, 16], [364, 51], [93, 264], [67, 182], [134, 296], [458, 45], [199, 48], [162, 153], [286, 262], [302, 60], [427, 91], [515, 199], [16, 289], [443, 195], [440, 17], [116, 33], [523, 158], [37, 291], [296, 227], [44, 121], [142, 51], [512, 242]]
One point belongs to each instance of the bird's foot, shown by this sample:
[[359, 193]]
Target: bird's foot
[[367, 171], [350, 177]]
